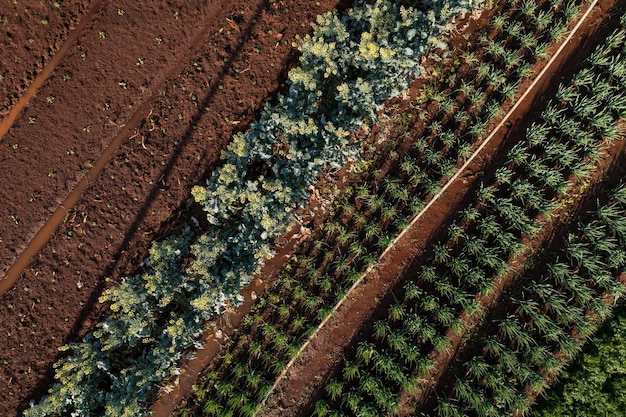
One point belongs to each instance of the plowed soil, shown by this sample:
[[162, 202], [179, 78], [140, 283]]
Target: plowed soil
[[161, 87]]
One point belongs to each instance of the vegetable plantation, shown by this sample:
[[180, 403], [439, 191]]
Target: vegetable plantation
[[365, 220], [244, 211], [525, 267]]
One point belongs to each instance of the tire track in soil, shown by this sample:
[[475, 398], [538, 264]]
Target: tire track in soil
[[45, 73], [52, 271], [43, 235], [324, 352]]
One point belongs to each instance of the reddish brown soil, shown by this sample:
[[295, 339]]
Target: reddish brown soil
[[31, 34], [322, 356], [197, 85]]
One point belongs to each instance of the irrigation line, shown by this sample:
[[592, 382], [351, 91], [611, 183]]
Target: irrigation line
[[433, 200]]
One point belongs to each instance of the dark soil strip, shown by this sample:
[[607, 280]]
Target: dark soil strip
[[324, 354], [145, 183]]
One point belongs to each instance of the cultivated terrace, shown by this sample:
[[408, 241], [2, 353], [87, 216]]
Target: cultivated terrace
[[341, 208]]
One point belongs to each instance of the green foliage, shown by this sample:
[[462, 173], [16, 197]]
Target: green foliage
[[523, 349], [596, 383], [89, 380]]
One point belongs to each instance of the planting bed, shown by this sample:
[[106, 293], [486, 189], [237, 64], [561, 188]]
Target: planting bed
[[185, 93]]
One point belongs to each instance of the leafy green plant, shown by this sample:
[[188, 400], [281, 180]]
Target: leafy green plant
[[596, 383]]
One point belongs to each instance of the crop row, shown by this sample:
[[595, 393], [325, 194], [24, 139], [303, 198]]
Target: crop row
[[366, 219], [348, 67], [556, 306], [595, 385], [398, 357]]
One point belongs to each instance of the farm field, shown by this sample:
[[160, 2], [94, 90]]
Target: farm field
[[363, 245]]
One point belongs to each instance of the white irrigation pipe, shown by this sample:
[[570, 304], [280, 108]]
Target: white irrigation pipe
[[433, 200]]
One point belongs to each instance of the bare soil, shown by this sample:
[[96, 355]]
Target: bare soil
[[32, 33], [170, 83]]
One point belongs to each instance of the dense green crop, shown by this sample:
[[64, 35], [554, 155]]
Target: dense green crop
[[596, 384], [348, 67]]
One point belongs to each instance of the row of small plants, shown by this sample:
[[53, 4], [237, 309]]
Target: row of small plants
[[366, 219], [349, 65], [596, 383], [555, 307], [397, 358]]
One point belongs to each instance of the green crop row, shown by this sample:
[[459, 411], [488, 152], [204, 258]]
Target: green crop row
[[555, 307], [348, 67]]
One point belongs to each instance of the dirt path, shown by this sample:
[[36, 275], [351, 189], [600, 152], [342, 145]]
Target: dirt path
[[192, 107], [325, 350]]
